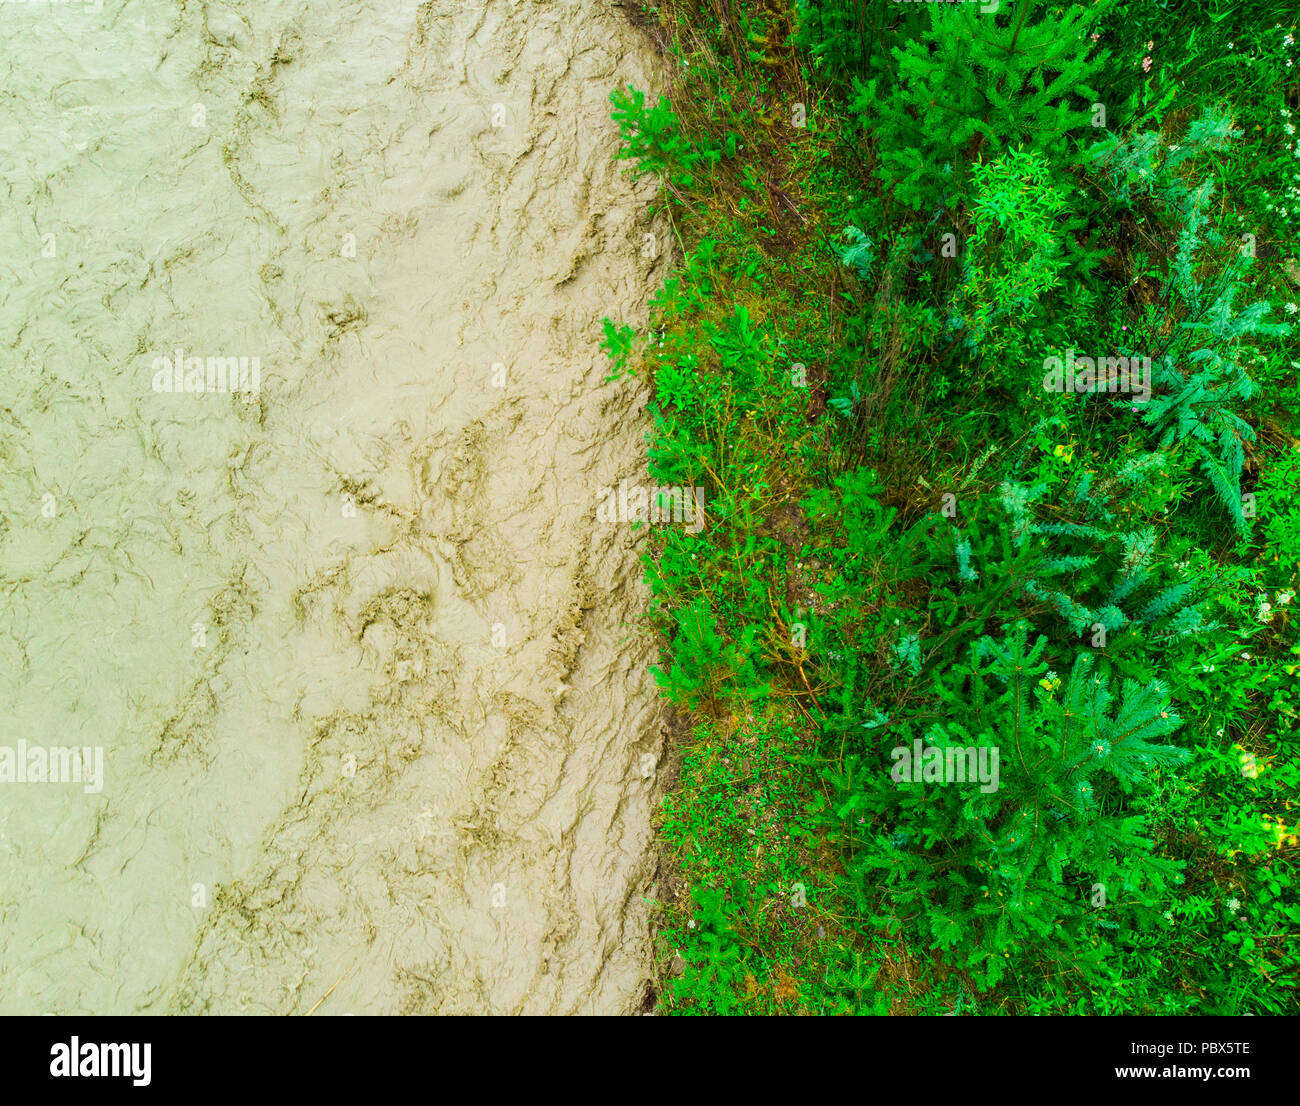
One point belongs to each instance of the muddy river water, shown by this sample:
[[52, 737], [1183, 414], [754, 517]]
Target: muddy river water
[[364, 675]]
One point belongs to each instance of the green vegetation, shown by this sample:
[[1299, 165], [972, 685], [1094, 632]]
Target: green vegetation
[[891, 218]]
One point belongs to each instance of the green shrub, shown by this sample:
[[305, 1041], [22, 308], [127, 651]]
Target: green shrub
[[970, 87], [1017, 871], [653, 138]]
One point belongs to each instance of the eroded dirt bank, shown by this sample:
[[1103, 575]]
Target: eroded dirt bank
[[363, 664]]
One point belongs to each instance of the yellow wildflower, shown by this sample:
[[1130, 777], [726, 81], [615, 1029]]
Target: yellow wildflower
[[1282, 835]]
